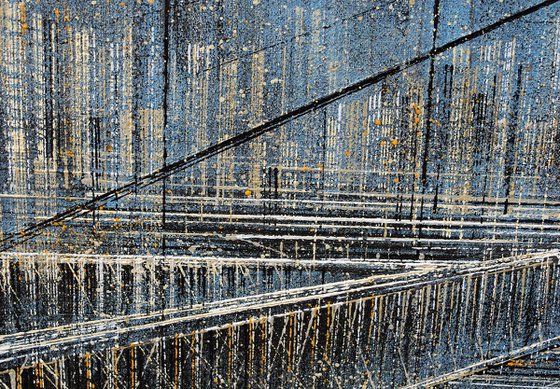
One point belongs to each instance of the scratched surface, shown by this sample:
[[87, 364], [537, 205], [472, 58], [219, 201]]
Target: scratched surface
[[158, 155]]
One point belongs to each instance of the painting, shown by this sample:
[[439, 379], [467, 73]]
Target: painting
[[279, 194]]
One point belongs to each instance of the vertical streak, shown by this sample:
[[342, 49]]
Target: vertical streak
[[18, 378], [250, 353], [166, 16], [193, 358], [510, 145], [115, 369], [429, 109], [166, 21], [230, 352], [263, 347], [49, 87], [324, 157], [132, 367], [290, 341], [88, 371], [176, 370]]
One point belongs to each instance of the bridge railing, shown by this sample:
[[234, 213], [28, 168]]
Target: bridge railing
[[381, 331]]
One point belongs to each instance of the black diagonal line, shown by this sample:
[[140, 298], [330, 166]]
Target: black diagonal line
[[35, 229]]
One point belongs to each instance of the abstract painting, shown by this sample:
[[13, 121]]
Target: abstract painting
[[279, 193]]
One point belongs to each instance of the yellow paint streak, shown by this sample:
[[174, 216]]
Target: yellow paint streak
[[132, 367], [328, 334], [371, 315], [193, 355], [88, 371], [230, 351], [519, 363], [176, 371], [115, 369], [23, 18], [40, 381], [290, 341], [18, 377], [313, 340], [263, 343]]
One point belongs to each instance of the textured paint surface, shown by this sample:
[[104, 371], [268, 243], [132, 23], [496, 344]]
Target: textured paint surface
[[277, 192]]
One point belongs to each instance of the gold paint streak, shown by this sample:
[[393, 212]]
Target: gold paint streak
[[230, 351], [18, 378], [290, 340], [176, 372], [88, 371], [132, 367], [23, 18], [328, 334], [371, 316], [193, 356], [313, 335], [263, 345], [115, 369]]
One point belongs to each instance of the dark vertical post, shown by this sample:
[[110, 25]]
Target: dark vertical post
[[429, 109]]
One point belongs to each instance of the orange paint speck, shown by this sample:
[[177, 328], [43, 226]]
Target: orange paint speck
[[23, 18], [347, 153], [248, 192], [394, 142]]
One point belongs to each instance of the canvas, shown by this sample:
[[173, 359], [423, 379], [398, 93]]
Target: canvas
[[279, 193]]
